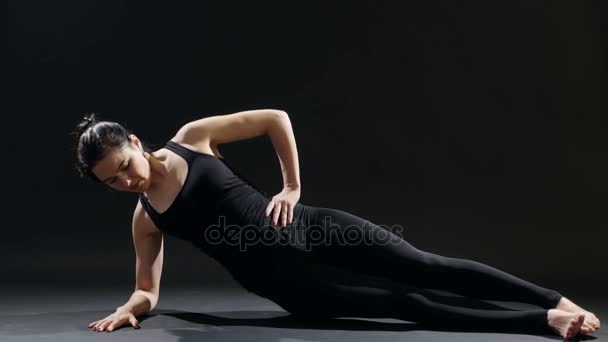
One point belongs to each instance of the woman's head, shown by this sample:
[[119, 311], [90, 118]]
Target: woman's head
[[108, 153]]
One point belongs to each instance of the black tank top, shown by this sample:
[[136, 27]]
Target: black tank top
[[222, 213]]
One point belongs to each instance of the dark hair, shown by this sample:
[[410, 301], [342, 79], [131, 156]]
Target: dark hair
[[94, 139]]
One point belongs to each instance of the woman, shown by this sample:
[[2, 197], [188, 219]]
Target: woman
[[315, 262]]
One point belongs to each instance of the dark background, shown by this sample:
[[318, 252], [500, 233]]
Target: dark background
[[478, 126]]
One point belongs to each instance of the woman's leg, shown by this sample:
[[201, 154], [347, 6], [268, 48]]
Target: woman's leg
[[324, 291], [359, 245]]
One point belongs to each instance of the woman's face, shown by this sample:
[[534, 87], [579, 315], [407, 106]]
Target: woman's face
[[125, 169]]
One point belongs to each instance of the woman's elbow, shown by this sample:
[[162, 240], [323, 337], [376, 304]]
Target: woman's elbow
[[279, 116], [281, 113]]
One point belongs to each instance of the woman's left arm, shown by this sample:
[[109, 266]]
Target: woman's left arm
[[284, 142], [207, 133]]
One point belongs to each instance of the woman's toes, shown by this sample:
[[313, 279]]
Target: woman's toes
[[588, 326], [596, 321], [571, 332], [578, 323], [574, 327], [566, 324], [592, 319]]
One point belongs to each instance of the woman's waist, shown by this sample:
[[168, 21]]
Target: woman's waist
[[251, 210]]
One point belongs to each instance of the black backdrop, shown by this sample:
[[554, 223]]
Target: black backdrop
[[478, 126]]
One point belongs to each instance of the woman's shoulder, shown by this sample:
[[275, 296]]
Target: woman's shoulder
[[197, 146]]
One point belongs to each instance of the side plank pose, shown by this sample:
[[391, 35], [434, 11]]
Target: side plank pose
[[312, 261]]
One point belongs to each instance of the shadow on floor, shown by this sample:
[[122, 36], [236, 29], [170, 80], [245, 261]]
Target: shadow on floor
[[299, 325]]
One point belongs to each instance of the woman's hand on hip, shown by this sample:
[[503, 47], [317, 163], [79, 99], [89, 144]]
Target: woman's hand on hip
[[282, 204]]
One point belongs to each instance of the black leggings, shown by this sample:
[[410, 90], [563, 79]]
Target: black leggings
[[364, 270]]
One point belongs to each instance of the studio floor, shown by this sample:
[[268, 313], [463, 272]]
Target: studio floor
[[217, 314]]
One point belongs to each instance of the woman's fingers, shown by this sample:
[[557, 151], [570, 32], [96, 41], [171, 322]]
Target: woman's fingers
[[275, 214], [92, 324], [269, 209], [281, 212], [96, 327], [102, 321], [110, 325], [134, 322], [116, 321], [103, 326], [284, 210]]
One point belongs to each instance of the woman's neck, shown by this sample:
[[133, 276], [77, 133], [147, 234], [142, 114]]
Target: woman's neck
[[159, 170]]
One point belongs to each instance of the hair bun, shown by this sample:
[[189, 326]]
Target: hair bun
[[87, 121], [90, 117]]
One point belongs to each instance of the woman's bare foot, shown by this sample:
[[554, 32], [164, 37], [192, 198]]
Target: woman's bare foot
[[565, 324], [591, 324]]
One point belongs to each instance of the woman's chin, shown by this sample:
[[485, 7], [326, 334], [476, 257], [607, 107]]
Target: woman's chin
[[139, 187], [144, 186]]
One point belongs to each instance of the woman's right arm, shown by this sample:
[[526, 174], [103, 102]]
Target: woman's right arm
[[148, 243]]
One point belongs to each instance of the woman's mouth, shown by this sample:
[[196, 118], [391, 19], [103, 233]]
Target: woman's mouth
[[137, 185]]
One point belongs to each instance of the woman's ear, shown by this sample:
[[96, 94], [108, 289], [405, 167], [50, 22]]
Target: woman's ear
[[135, 141]]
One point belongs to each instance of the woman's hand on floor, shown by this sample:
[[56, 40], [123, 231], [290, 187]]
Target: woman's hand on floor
[[282, 204], [117, 319]]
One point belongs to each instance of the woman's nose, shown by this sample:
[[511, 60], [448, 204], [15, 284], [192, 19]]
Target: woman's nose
[[127, 180]]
